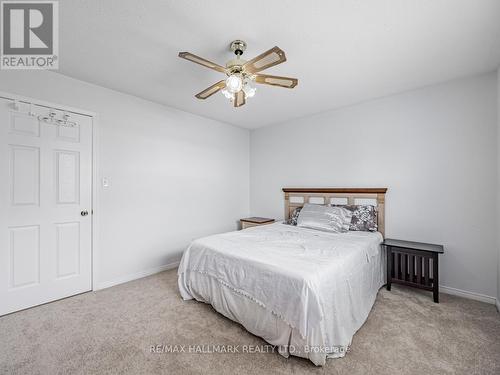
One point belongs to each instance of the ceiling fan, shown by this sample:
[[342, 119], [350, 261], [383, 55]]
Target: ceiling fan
[[241, 75]]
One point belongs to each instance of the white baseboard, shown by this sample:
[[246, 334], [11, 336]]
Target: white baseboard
[[469, 295], [137, 275]]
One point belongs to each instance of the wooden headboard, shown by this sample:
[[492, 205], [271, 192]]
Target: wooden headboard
[[297, 197]]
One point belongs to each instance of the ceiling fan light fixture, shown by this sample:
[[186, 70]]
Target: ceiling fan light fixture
[[249, 89], [234, 83], [227, 94]]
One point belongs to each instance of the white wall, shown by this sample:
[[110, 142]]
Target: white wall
[[174, 176], [498, 186], [434, 148]]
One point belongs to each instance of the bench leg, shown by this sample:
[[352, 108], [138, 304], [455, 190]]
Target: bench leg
[[389, 267], [435, 271]]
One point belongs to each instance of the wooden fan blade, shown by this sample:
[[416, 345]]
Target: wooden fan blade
[[211, 90], [266, 79], [239, 98], [269, 58], [202, 61]]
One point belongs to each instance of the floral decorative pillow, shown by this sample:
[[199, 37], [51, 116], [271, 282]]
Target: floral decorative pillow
[[364, 217], [294, 216]]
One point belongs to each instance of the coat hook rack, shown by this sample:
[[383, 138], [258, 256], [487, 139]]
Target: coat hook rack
[[51, 119]]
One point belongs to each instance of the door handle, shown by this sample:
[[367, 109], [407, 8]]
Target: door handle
[[84, 213]]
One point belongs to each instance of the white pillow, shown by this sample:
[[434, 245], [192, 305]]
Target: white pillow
[[332, 219]]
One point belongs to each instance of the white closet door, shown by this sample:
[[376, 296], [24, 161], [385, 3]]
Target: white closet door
[[45, 190]]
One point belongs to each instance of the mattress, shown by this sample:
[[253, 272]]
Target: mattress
[[303, 290]]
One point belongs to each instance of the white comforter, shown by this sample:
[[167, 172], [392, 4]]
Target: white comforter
[[310, 279]]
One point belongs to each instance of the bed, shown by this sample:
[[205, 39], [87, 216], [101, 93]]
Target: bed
[[303, 290]]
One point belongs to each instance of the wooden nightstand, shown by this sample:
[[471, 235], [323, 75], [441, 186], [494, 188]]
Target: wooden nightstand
[[255, 221], [414, 264]]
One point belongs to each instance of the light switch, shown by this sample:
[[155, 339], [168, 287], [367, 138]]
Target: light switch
[[105, 182]]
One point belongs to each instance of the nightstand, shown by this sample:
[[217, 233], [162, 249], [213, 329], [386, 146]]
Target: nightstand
[[415, 264], [255, 221]]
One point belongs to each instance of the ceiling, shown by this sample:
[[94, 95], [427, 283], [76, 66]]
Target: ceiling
[[343, 52]]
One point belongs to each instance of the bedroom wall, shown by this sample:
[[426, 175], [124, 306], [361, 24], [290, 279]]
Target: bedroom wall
[[173, 176], [434, 148], [498, 186]]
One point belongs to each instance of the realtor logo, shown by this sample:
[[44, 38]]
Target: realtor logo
[[29, 35]]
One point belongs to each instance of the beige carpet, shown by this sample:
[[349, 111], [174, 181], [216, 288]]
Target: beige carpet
[[112, 331]]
